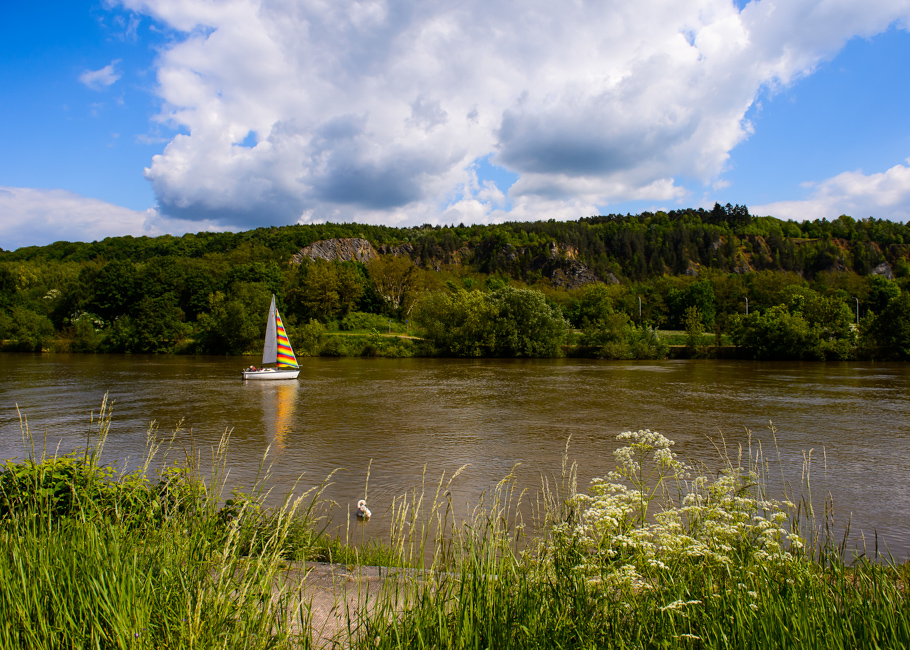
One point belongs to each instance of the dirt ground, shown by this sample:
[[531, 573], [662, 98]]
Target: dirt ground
[[336, 597]]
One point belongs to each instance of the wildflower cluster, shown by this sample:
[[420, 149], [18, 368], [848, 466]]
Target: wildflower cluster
[[725, 523]]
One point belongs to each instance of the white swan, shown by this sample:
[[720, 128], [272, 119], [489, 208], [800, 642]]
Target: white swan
[[362, 511]]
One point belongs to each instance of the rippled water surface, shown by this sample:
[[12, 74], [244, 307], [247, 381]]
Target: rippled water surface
[[410, 414]]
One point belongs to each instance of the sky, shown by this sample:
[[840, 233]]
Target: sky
[[146, 117]]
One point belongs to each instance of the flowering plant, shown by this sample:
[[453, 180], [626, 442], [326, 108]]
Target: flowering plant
[[724, 523]]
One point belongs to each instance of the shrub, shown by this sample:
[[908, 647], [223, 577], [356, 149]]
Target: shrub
[[358, 320]]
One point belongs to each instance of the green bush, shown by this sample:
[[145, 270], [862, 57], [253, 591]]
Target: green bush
[[340, 346], [308, 339], [358, 320], [29, 331]]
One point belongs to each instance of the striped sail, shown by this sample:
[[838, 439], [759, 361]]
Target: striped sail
[[285, 353]]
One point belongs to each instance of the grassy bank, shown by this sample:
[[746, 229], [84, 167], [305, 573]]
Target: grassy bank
[[655, 555]]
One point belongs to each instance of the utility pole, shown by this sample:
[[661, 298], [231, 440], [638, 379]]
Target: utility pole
[[639, 310], [857, 310]]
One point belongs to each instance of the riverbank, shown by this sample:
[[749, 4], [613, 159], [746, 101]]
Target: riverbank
[[655, 554]]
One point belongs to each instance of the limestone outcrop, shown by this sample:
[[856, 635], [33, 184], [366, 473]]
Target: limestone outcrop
[[884, 269], [337, 250]]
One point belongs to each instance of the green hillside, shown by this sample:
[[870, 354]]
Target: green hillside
[[686, 269]]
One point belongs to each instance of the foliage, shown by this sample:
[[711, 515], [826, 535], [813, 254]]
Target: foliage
[[308, 338], [698, 295], [508, 322], [158, 325], [29, 331], [86, 333], [887, 335], [776, 334], [325, 291], [234, 325], [457, 323], [398, 280], [524, 325], [95, 558], [360, 321], [808, 326], [694, 326], [609, 334], [162, 294], [655, 556]]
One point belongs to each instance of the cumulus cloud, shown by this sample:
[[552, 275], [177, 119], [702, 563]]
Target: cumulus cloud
[[36, 217], [375, 109], [884, 196], [101, 79]]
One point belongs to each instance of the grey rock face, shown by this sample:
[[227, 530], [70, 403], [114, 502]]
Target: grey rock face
[[884, 270], [337, 250]]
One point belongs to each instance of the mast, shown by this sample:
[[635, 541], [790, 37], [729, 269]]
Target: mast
[[270, 348]]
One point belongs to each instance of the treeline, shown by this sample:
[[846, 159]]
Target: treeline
[[631, 247], [599, 286]]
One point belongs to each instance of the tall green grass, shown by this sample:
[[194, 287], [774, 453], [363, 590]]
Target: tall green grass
[[93, 558], [656, 554]]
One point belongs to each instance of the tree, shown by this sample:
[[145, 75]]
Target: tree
[[318, 293], [508, 322], [600, 325], [29, 331], [307, 339], [887, 335], [158, 324], [350, 287], [397, 279], [525, 325], [86, 333], [7, 287], [115, 290], [881, 292], [459, 324], [698, 294], [692, 321], [235, 325], [777, 334]]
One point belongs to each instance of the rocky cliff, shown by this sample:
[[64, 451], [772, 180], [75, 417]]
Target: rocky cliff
[[337, 250], [558, 262]]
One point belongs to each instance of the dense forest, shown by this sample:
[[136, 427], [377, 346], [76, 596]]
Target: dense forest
[[600, 286]]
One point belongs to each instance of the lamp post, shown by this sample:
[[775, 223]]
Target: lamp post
[[747, 306], [857, 309], [639, 310]]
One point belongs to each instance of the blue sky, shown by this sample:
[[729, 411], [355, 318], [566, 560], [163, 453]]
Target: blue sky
[[155, 116]]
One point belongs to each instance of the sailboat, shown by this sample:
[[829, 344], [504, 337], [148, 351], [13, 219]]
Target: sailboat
[[277, 350]]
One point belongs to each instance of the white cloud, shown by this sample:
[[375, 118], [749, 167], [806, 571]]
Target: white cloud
[[36, 217], [101, 79], [375, 109], [885, 196]]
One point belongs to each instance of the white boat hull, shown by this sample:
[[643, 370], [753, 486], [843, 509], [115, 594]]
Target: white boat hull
[[271, 373]]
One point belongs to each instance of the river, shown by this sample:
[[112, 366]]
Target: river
[[405, 419]]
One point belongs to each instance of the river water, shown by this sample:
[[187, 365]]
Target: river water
[[401, 420]]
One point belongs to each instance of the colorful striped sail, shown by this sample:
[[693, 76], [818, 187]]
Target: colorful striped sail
[[286, 356]]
